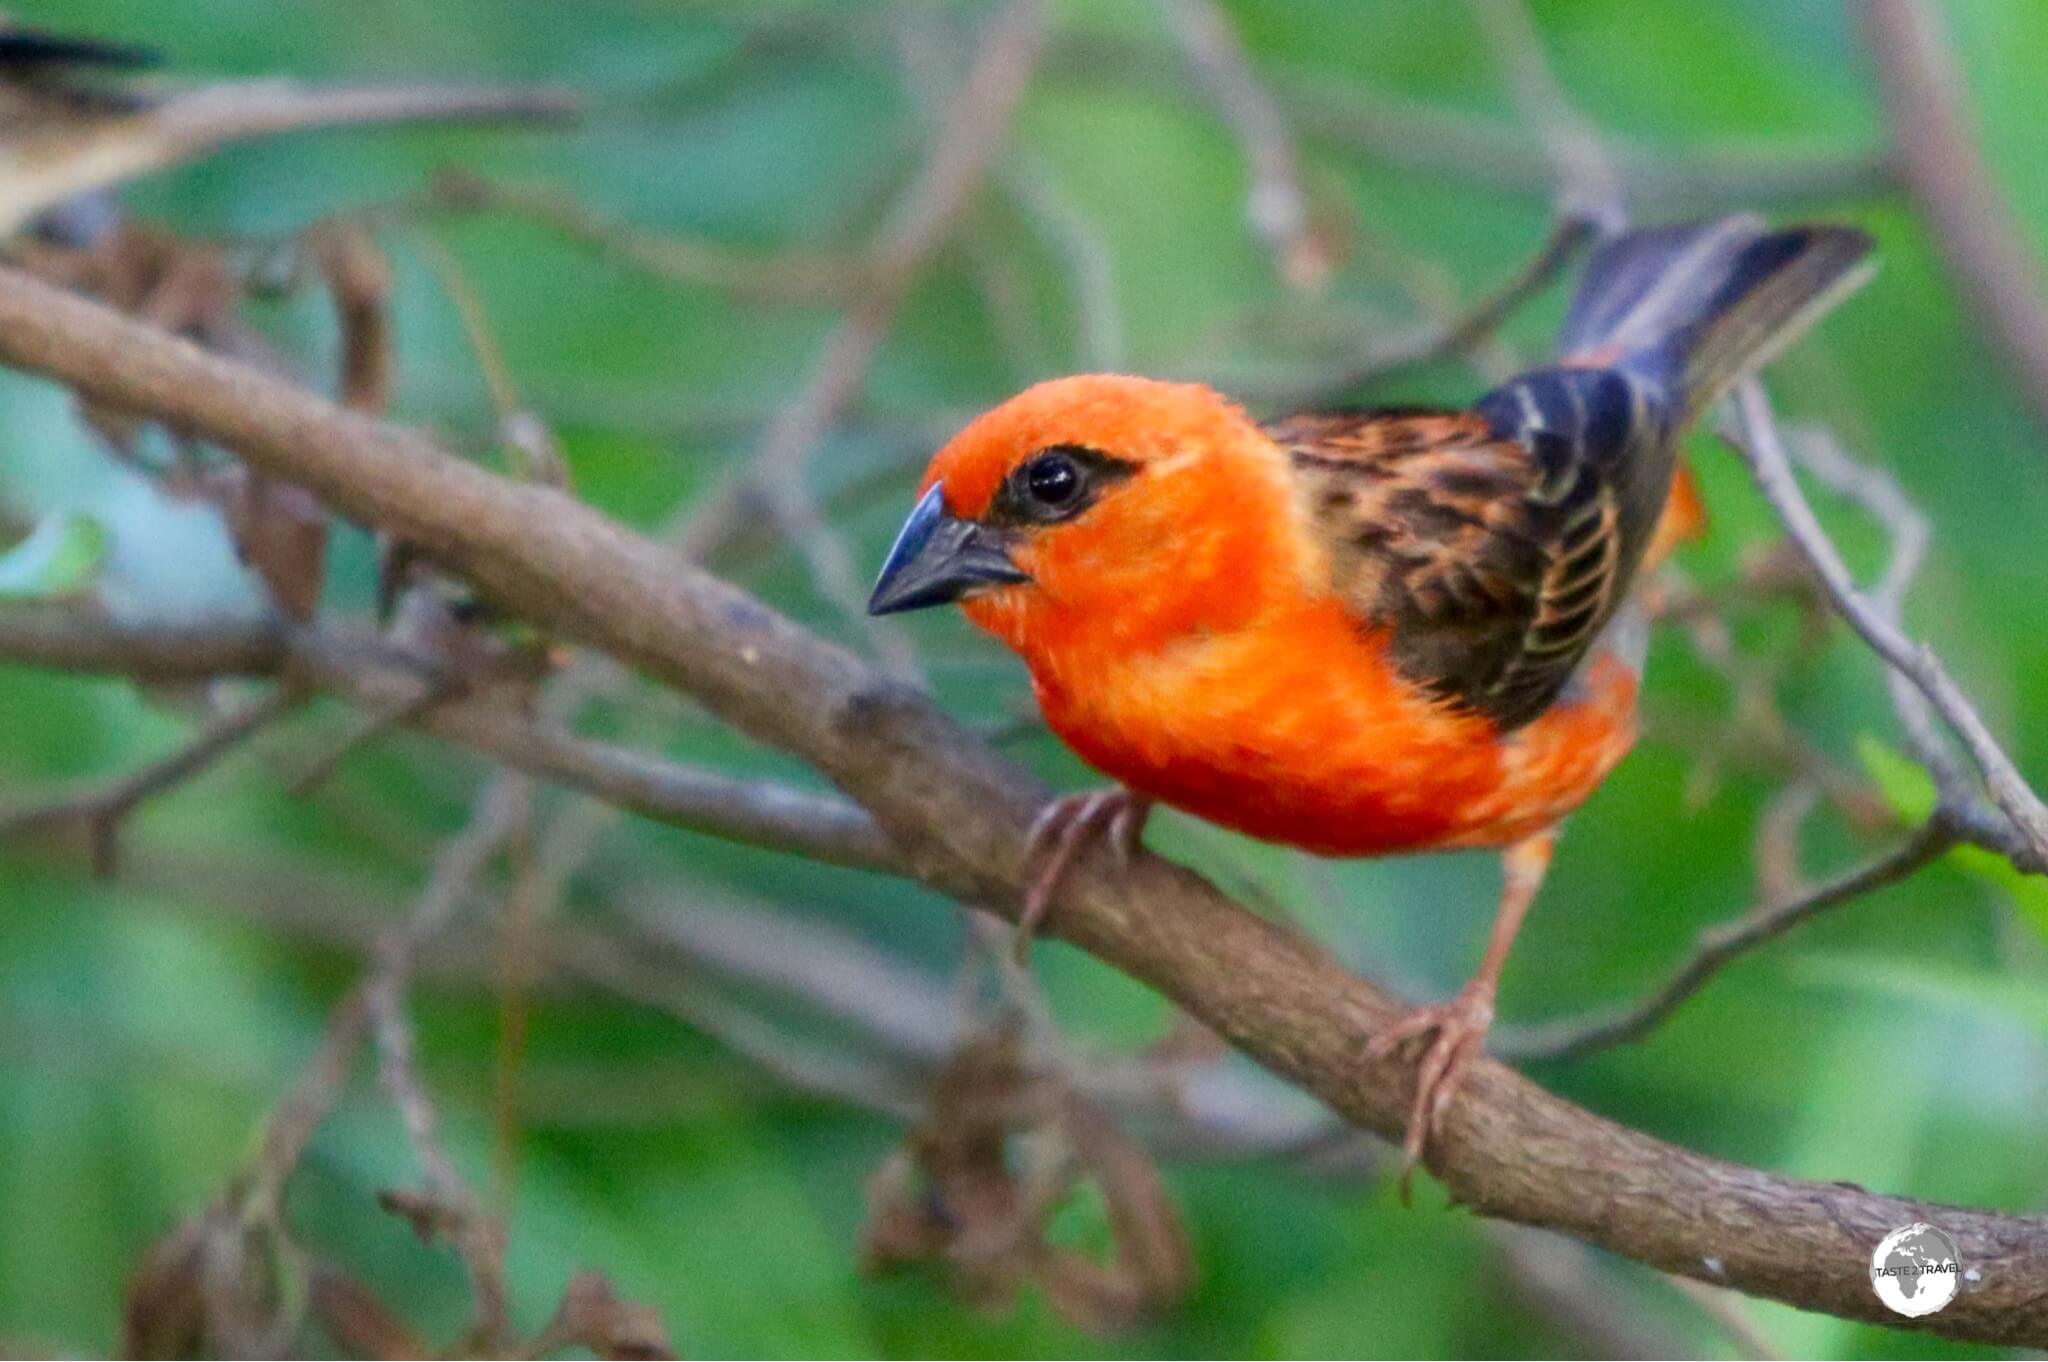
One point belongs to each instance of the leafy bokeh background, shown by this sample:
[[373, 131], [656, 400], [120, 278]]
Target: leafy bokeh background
[[147, 1023]]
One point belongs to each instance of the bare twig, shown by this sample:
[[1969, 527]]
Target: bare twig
[[63, 149], [962, 817], [1589, 187], [971, 136], [450, 1206], [1761, 445], [1719, 945], [103, 808], [1436, 140], [1082, 249], [1941, 163], [1878, 493], [476, 326], [786, 276], [1435, 341], [292, 1123], [1498, 154], [1277, 205], [385, 680]]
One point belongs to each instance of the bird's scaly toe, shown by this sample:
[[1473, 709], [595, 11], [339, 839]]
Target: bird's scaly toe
[[1059, 832], [1459, 1030]]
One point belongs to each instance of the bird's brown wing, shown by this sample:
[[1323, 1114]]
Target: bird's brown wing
[[1490, 545]]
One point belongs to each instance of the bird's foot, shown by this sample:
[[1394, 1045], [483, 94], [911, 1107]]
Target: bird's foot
[[1459, 1029], [1059, 832]]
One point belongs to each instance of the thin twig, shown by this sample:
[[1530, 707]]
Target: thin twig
[[1437, 140], [75, 152], [384, 680], [698, 961], [1277, 205], [1083, 250], [1772, 468], [971, 135], [1941, 163], [1719, 945], [1500, 155], [1589, 187], [1456, 336], [289, 1128], [791, 276], [102, 808], [1878, 493], [476, 325], [478, 1239]]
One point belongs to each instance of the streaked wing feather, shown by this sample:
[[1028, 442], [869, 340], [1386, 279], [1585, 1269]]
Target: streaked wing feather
[[1489, 545]]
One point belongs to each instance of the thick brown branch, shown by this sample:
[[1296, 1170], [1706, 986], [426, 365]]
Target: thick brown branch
[[961, 816]]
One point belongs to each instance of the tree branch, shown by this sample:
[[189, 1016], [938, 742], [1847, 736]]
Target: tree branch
[[1437, 340], [1497, 153], [961, 815], [103, 807], [1720, 944], [384, 679], [1941, 163], [1277, 205], [1588, 185], [1772, 467]]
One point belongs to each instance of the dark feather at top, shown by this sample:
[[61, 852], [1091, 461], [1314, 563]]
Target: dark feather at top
[[26, 50]]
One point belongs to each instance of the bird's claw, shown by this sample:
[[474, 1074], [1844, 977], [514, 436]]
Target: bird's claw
[[1459, 1027], [1059, 832]]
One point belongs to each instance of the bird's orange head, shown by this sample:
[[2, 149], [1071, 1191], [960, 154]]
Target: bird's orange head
[[1093, 518]]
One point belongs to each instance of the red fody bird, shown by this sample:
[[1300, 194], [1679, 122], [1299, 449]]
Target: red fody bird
[[1371, 631]]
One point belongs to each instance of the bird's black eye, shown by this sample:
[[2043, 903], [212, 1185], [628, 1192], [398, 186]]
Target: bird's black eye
[[1056, 484], [1053, 480]]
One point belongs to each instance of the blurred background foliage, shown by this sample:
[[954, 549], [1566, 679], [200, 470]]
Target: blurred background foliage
[[148, 1021]]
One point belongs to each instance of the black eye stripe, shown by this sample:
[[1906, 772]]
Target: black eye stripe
[[1055, 484]]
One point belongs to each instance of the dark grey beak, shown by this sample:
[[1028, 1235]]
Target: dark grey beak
[[938, 558]]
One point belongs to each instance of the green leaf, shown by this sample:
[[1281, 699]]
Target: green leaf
[[1910, 790], [57, 558], [1901, 780]]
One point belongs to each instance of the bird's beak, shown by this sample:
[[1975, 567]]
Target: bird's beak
[[939, 558]]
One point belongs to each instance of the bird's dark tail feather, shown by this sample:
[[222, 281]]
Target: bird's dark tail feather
[[30, 48], [1697, 307]]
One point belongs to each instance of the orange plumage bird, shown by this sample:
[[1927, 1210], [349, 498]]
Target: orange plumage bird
[[1371, 631]]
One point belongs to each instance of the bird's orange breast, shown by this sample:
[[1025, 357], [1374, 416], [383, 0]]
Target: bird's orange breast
[[1298, 730]]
